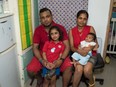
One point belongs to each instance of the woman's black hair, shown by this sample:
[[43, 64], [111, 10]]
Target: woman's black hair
[[59, 30], [83, 12]]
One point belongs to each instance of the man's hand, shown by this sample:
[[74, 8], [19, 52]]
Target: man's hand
[[44, 62]]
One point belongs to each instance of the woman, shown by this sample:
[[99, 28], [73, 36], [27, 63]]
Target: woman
[[76, 35]]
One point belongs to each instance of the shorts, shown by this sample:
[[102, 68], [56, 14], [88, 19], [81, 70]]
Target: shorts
[[35, 65], [81, 59], [46, 71]]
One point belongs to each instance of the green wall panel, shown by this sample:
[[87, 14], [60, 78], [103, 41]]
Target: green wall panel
[[27, 57], [36, 13]]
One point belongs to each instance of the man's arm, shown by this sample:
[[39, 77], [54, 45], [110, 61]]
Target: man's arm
[[36, 51], [37, 54], [44, 56], [66, 50], [66, 43]]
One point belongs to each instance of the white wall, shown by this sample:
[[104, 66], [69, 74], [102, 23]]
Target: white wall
[[98, 17], [13, 7]]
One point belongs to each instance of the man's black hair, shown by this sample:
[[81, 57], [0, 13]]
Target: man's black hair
[[45, 9]]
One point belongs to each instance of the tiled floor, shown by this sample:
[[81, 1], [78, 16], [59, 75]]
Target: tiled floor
[[109, 75]]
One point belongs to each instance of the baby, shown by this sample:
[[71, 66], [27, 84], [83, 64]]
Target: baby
[[89, 41]]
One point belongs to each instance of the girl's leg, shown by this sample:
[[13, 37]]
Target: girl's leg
[[53, 81], [88, 72], [77, 75], [46, 83]]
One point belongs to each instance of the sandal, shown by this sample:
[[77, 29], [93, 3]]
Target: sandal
[[92, 85], [39, 81], [39, 84]]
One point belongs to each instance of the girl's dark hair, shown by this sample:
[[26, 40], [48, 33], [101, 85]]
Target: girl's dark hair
[[59, 30], [45, 9], [83, 12], [94, 36]]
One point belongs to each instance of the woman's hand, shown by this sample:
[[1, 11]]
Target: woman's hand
[[83, 52], [75, 63]]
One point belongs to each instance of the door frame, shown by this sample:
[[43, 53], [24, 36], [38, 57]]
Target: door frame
[[108, 29]]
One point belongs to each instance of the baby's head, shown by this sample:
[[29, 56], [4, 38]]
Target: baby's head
[[90, 37]]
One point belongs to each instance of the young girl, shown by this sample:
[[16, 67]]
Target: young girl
[[52, 51]]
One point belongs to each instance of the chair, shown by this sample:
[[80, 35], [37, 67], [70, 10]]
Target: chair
[[99, 65], [100, 62]]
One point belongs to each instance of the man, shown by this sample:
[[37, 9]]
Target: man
[[40, 37]]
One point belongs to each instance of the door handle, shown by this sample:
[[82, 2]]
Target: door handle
[[3, 22]]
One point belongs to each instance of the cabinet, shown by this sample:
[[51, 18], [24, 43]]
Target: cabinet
[[8, 56], [6, 33]]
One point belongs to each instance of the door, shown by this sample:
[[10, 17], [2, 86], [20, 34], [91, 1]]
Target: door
[[108, 29]]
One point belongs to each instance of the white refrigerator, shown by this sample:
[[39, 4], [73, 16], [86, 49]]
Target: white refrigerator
[[9, 76]]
